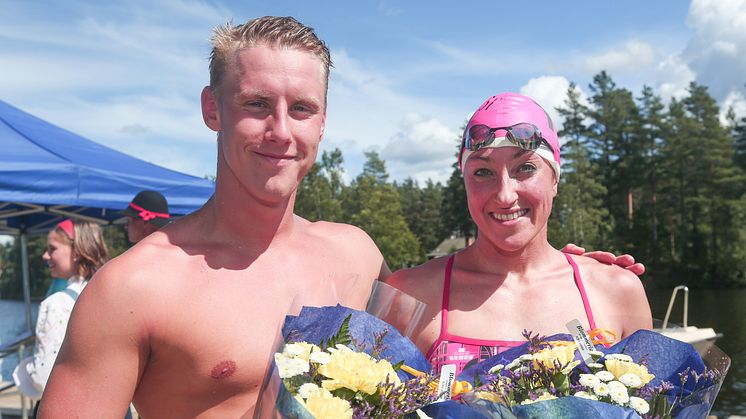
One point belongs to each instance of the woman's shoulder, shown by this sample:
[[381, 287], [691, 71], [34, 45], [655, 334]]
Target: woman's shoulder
[[610, 280], [429, 274]]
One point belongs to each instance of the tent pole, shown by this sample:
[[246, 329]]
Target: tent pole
[[26, 281]]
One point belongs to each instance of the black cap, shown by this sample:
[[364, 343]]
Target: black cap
[[149, 206]]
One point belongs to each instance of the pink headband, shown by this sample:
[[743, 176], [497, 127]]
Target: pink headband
[[148, 215], [67, 227]]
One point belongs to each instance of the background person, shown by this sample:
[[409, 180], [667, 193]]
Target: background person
[[511, 279], [147, 212], [75, 250]]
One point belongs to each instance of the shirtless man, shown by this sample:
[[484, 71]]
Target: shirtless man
[[183, 323]]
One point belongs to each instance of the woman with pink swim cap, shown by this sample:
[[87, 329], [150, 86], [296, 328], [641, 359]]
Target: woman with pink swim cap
[[511, 279]]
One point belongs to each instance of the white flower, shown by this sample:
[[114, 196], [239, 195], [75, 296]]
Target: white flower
[[641, 406], [618, 393], [621, 357], [588, 380], [497, 368], [605, 376], [595, 354], [514, 363], [595, 365], [294, 350], [526, 357], [320, 357], [307, 390], [620, 397], [524, 370], [631, 380], [616, 386], [585, 395], [601, 389], [290, 367]]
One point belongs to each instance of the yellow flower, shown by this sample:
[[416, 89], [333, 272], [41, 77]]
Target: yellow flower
[[356, 371], [619, 368], [562, 353], [323, 405]]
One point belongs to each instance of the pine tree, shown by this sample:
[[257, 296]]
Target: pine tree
[[374, 205], [319, 194], [616, 148], [578, 214]]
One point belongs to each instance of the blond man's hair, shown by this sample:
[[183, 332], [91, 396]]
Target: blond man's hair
[[89, 247], [272, 31]]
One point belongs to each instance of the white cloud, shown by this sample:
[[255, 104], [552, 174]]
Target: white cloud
[[717, 50], [633, 56], [550, 92], [367, 111], [673, 76], [421, 146]]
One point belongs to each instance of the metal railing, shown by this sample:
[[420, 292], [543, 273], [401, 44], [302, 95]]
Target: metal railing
[[670, 306], [18, 345]]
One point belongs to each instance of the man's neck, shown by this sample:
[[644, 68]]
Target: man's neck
[[243, 219]]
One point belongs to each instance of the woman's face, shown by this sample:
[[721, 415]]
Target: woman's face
[[59, 256], [510, 193]]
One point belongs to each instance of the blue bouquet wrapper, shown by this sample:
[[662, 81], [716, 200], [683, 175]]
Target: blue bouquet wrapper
[[666, 359], [315, 324]]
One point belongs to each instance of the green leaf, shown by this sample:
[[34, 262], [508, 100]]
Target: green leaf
[[342, 337]]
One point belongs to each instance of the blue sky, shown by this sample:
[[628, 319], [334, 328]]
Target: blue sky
[[407, 73]]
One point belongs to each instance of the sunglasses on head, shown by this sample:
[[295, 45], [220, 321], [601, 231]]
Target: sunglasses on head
[[523, 135]]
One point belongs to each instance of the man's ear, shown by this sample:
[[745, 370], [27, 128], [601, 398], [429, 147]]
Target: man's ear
[[210, 110], [323, 125]]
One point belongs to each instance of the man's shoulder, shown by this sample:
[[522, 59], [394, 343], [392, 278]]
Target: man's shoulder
[[337, 232]]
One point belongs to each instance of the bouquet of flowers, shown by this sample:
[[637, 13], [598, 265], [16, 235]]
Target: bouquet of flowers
[[644, 375], [336, 362]]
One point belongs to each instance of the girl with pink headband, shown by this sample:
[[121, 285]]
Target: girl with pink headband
[[481, 298], [75, 250]]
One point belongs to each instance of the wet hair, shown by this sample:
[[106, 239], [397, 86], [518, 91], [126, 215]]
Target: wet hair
[[272, 31], [89, 247]]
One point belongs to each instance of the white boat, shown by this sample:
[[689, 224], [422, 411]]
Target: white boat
[[685, 332]]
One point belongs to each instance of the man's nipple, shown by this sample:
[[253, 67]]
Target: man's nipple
[[223, 369]]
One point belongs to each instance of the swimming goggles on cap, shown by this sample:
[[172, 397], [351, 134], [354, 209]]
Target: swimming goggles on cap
[[523, 135]]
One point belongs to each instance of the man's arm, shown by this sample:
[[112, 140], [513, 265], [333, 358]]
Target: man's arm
[[104, 353], [625, 261]]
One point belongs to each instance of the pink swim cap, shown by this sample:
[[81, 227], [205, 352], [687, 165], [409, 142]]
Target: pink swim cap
[[506, 110]]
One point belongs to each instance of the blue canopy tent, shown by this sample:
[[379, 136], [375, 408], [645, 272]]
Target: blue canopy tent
[[48, 173]]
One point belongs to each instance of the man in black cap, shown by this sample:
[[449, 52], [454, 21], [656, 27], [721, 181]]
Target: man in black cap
[[145, 214]]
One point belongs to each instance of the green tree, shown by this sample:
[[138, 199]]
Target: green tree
[[617, 149], [319, 194], [578, 214], [706, 186], [374, 205], [653, 128], [455, 207], [422, 211]]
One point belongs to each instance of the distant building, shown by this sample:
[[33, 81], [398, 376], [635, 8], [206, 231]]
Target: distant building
[[448, 246]]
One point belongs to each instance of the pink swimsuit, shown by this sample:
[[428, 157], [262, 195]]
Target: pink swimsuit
[[460, 350]]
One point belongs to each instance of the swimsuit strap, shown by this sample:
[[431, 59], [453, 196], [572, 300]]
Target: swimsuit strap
[[581, 288], [443, 308]]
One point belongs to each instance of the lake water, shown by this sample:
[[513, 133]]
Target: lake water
[[12, 322], [723, 310]]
